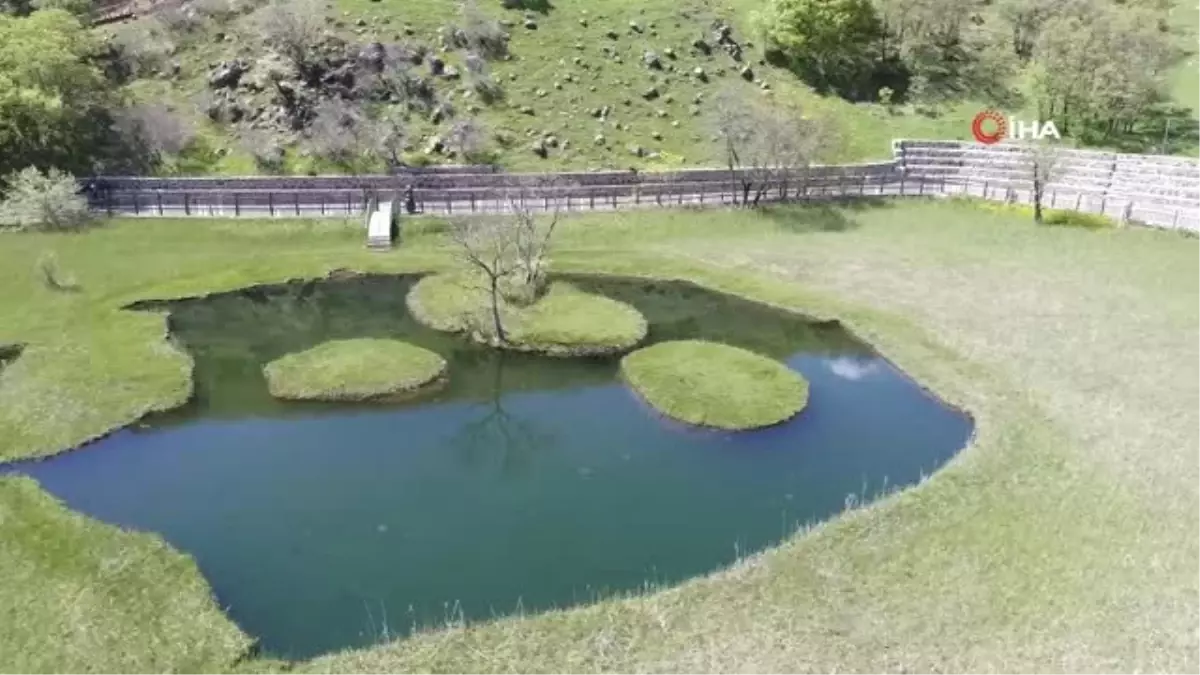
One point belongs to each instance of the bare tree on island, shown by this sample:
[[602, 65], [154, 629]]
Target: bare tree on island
[[534, 228], [510, 253], [1042, 163], [487, 246], [765, 146]]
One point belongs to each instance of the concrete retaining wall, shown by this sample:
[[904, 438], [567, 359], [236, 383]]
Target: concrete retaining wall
[[1164, 191]]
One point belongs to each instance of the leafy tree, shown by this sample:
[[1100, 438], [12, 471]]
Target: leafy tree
[[53, 98], [766, 147], [43, 201], [1101, 65], [828, 42]]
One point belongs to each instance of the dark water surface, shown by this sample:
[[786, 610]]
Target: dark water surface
[[527, 483]]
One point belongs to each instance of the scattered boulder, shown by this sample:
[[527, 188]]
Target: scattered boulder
[[611, 34], [599, 139], [227, 74], [372, 56], [657, 135], [435, 145], [700, 74], [527, 110], [635, 27], [436, 65], [451, 73], [636, 150], [747, 73], [530, 24], [701, 45], [539, 148], [650, 94], [651, 60], [669, 53]]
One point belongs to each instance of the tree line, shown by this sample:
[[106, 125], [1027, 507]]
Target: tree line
[[1095, 66]]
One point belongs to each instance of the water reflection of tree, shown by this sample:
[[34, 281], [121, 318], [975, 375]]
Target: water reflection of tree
[[499, 436]]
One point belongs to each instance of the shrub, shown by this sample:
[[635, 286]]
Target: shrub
[[51, 276], [153, 130], [478, 33], [268, 155], [43, 201], [142, 47]]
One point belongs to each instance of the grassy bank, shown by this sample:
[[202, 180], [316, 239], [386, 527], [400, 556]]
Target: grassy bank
[[715, 385], [563, 322], [353, 370], [1064, 538]]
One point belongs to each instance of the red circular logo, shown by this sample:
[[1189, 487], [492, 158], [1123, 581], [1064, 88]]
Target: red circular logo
[[989, 127]]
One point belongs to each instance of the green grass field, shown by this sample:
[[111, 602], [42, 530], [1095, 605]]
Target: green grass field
[[1064, 538]]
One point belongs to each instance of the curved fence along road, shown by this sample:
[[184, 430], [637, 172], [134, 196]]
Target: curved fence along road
[[1143, 189]]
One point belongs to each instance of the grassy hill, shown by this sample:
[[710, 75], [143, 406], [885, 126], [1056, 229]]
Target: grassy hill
[[573, 59]]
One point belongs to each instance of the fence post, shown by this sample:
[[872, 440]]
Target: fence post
[[985, 189], [862, 184], [1103, 204], [921, 185], [271, 203], [187, 206], [901, 185], [568, 201], [108, 198], [237, 205], [135, 203], [158, 198], [1175, 219], [472, 202], [1053, 197], [1078, 200], [702, 193], [637, 195], [592, 201], [296, 199]]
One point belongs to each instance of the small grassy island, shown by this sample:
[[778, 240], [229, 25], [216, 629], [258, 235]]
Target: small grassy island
[[715, 385], [353, 370], [564, 321]]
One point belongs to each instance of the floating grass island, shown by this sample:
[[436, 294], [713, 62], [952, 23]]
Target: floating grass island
[[715, 385], [354, 370], [565, 321]]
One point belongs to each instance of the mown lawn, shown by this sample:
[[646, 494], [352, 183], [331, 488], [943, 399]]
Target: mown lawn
[[1064, 538]]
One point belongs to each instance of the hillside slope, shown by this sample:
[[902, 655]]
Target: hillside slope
[[612, 84]]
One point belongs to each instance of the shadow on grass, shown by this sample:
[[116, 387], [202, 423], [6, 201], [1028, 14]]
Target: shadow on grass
[[825, 216], [539, 6], [9, 353]]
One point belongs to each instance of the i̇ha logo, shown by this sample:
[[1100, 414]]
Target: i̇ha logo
[[990, 127]]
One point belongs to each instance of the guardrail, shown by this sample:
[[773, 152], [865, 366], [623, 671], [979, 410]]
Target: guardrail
[[920, 169], [452, 201]]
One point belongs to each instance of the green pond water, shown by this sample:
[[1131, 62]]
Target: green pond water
[[527, 483]]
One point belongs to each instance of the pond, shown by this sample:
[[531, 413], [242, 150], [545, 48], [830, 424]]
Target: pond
[[527, 483]]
